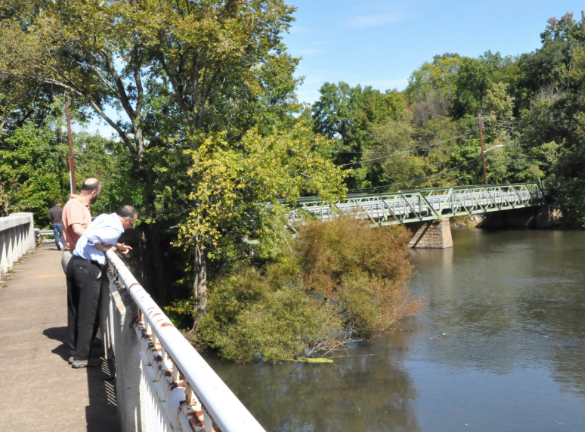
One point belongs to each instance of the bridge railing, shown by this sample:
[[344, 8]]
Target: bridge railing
[[162, 383], [16, 238]]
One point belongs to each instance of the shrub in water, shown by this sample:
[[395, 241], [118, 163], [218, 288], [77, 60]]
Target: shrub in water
[[340, 278], [365, 269]]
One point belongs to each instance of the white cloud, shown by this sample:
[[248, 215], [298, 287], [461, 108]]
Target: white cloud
[[375, 14], [376, 20]]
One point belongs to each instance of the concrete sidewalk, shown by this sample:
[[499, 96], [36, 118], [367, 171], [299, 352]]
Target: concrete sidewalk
[[39, 391]]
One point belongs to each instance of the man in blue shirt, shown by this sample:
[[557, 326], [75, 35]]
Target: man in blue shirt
[[83, 279]]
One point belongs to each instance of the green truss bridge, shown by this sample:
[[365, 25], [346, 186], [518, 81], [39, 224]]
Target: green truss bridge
[[421, 205]]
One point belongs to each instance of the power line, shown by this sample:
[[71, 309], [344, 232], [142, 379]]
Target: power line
[[406, 151], [373, 188], [418, 179]]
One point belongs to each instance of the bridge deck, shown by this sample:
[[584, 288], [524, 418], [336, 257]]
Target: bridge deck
[[38, 390]]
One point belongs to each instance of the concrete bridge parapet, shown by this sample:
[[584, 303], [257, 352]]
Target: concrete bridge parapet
[[16, 238]]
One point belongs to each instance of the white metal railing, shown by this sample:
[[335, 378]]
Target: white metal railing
[[16, 238], [162, 383]]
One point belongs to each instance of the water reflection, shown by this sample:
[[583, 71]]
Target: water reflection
[[369, 390], [501, 346]]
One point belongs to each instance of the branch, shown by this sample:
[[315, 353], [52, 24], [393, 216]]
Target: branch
[[178, 91], [118, 129], [120, 86]]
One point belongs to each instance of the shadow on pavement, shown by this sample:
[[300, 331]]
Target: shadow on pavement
[[102, 412]]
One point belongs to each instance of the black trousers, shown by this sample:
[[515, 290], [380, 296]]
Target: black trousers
[[83, 299]]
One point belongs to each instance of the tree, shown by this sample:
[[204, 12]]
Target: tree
[[240, 191], [172, 71], [348, 114], [32, 173], [436, 76]]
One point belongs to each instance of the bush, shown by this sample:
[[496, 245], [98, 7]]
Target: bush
[[365, 269], [287, 324], [340, 278]]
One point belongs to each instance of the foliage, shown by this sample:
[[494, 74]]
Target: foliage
[[180, 313], [348, 115], [196, 66], [240, 189], [439, 75], [365, 270], [32, 175], [339, 279], [252, 319]]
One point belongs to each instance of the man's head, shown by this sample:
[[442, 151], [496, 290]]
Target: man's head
[[127, 215], [58, 203], [91, 189]]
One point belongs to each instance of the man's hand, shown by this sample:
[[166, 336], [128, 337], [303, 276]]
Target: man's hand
[[123, 248]]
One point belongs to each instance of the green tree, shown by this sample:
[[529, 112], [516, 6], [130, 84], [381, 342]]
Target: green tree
[[32, 173], [348, 115], [172, 71], [239, 191]]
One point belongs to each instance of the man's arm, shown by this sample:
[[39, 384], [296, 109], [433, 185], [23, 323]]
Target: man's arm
[[105, 239], [105, 248], [78, 229], [50, 216]]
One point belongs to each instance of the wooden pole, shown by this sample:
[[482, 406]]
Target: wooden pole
[[70, 139], [482, 149]]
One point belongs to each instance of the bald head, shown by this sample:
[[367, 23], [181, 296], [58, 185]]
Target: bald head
[[91, 188]]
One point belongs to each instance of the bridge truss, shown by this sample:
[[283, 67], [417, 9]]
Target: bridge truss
[[427, 204]]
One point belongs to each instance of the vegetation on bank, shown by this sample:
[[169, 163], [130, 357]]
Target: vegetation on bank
[[211, 145], [334, 283]]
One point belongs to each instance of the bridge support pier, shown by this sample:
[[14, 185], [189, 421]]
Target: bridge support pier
[[431, 235]]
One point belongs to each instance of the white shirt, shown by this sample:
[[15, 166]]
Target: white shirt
[[105, 229]]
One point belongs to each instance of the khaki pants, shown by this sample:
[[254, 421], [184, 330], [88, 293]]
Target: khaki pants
[[65, 258]]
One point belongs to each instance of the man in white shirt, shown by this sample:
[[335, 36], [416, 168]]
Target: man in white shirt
[[83, 279]]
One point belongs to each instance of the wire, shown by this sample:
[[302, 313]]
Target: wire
[[407, 151], [434, 175], [418, 179]]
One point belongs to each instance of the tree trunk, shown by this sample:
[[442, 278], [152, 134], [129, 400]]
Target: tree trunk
[[199, 286]]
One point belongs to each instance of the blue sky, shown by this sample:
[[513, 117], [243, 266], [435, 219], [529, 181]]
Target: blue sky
[[380, 43]]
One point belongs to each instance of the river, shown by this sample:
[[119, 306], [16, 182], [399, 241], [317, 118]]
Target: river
[[500, 347]]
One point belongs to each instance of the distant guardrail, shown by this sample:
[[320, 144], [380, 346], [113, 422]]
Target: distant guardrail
[[16, 238], [162, 383]]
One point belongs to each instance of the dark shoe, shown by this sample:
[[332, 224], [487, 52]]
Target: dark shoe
[[80, 364]]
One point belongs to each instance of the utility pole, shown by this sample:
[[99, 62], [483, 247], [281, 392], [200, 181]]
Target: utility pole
[[70, 139], [482, 149]]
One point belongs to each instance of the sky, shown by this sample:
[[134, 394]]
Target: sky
[[380, 43]]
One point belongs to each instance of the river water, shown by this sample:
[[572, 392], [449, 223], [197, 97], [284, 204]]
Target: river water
[[500, 347]]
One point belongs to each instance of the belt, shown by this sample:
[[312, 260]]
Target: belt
[[94, 262]]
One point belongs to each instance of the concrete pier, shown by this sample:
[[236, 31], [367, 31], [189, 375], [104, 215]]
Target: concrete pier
[[431, 235]]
